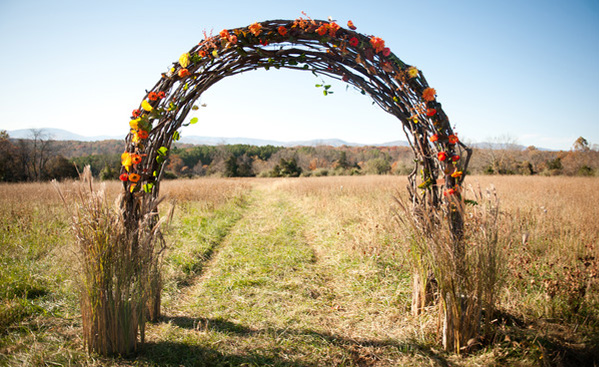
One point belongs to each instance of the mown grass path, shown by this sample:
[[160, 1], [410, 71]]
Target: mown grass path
[[263, 299]]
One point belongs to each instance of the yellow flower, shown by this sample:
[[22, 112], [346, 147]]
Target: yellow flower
[[215, 53], [146, 106], [412, 72], [126, 160], [134, 123], [184, 60]]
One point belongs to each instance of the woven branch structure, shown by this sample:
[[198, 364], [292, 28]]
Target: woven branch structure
[[322, 48]]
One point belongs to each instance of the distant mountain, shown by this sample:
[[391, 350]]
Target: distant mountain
[[59, 134]]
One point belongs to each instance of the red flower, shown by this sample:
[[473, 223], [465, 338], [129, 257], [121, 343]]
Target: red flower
[[183, 73], [136, 113], [333, 28], [442, 156], [224, 34], [449, 192], [161, 94], [345, 77], [264, 42], [431, 112], [124, 177], [282, 30], [142, 134], [152, 96], [202, 53], [351, 25], [455, 158], [377, 43], [386, 51], [429, 94], [135, 158], [323, 29], [434, 138], [353, 42], [453, 139]]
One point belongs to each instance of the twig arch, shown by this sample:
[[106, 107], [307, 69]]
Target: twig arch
[[321, 47]]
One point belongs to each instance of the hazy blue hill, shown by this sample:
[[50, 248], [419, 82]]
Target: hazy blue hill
[[64, 135]]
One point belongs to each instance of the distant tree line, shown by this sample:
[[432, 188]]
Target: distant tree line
[[40, 158]]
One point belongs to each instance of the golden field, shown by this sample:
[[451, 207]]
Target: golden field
[[307, 271]]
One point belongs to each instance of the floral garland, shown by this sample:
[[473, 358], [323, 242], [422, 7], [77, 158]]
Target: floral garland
[[323, 47]]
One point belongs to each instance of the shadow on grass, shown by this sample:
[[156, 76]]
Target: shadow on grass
[[300, 349]]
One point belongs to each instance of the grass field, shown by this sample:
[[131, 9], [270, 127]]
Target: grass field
[[307, 272]]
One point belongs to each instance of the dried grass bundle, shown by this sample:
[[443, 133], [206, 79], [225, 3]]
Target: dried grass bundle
[[119, 269], [466, 267]]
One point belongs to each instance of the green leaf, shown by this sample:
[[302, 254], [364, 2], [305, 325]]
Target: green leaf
[[162, 151], [148, 187], [470, 202], [160, 159], [176, 136], [318, 85], [325, 92], [193, 120], [327, 87]]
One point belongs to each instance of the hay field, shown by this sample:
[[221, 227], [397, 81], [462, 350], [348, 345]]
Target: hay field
[[307, 272]]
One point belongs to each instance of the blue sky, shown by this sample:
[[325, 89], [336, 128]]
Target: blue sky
[[528, 70]]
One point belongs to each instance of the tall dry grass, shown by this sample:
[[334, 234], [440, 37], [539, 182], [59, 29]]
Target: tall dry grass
[[118, 268], [466, 266]]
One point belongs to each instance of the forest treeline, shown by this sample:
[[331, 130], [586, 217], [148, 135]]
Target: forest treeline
[[39, 158]]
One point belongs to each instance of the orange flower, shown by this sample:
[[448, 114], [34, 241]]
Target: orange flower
[[183, 73], [322, 30], [161, 94], [143, 134], [333, 28], [282, 30], [456, 174], [134, 177], [152, 96], [377, 43], [233, 39], [351, 25], [224, 34], [256, 29], [442, 156], [135, 158], [353, 41], [136, 113], [434, 138], [429, 94], [202, 53], [431, 112], [453, 139]]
